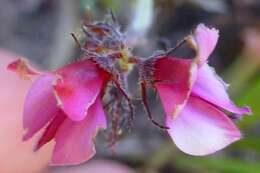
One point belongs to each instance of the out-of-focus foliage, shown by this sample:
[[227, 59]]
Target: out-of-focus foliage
[[216, 165], [251, 97]]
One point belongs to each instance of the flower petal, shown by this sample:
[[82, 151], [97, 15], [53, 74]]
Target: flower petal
[[22, 68], [51, 129], [211, 87], [74, 140], [176, 76], [78, 86], [40, 105], [205, 40], [201, 129]]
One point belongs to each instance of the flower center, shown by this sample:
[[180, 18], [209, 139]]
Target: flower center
[[124, 61]]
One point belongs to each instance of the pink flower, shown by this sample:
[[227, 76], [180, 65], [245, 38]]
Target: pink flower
[[66, 103], [194, 97]]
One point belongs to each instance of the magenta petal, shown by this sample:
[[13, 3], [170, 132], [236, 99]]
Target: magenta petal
[[40, 105], [78, 86], [50, 131], [212, 88], [201, 129], [74, 140], [205, 42], [177, 77]]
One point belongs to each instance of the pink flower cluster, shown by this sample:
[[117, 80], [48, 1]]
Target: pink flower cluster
[[67, 103], [194, 105]]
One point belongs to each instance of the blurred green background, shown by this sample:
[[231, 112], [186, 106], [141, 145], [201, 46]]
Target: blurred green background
[[39, 30]]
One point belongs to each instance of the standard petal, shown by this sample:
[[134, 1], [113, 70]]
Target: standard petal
[[201, 129], [212, 88], [205, 40], [74, 140], [77, 87], [176, 77], [40, 105]]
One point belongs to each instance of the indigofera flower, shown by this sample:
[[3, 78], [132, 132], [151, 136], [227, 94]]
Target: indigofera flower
[[194, 97], [67, 104]]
